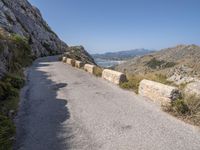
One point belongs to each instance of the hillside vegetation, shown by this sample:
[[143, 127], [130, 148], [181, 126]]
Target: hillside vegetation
[[182, 58], [11, 82]]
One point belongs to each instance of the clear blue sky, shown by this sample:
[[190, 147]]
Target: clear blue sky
[[112, 25]]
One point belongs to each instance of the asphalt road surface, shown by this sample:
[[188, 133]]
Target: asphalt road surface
[[64, 108]]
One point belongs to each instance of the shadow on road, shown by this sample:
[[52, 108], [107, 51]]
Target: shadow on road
[[40, 120]]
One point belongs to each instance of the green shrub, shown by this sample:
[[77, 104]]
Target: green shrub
[[10, 85], [132, 83], [21, 53], [6, 90], [154, 64], [14, 80], [7, 130]]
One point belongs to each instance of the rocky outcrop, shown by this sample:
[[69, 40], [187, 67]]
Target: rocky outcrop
[[79, 53], [158, 92], [20, 17], [182, 75], [193, 89], [114, 76]]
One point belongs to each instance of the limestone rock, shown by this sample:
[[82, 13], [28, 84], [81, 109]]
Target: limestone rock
[[193, 89]]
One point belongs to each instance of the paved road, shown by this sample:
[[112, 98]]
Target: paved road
[[65, 108]]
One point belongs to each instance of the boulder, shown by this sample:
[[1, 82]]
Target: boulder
[[158, 92], [89, 68], [79, 64], [114, 76], [193, 89]]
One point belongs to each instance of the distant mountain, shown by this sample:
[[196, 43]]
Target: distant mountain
[[121, 55], [182, 59]]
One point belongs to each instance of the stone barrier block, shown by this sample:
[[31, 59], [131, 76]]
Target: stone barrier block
[[89, 68], [64, 59], [70, 62], [158, 92], [114, 76], [79, 64]]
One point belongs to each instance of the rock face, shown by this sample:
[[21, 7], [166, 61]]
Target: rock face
[[19, 16], [158, 92], [114, 76], [181, 75]]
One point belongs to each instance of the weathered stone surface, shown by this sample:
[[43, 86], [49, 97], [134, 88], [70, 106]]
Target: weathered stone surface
[[158, 92], [64, 59], [19, 16], [79, 64], [70, 61], [193, 89], [89, 68], [114, 76]]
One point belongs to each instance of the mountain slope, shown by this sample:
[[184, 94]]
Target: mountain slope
[[122, 54], [184, 59]]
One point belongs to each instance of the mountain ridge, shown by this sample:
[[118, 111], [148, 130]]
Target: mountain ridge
[[126, 54]]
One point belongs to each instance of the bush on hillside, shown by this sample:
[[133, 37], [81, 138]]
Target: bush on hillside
[[157, 64]]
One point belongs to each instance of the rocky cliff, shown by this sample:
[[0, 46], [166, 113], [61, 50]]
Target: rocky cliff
[[21, 18]]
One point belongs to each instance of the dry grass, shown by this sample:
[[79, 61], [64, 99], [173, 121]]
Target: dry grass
[[98, 71], [134, 80], [187, 108]]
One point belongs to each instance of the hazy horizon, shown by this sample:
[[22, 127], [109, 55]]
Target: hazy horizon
[[112, 25]]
